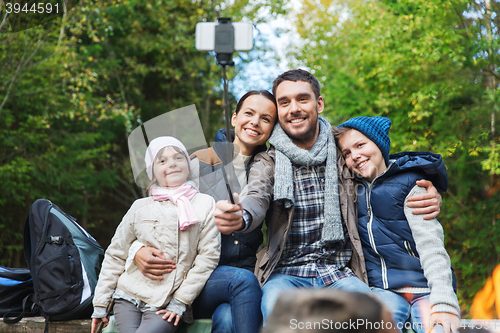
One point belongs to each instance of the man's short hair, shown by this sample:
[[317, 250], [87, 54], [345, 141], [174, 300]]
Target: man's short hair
[[328, 310], [298, 75]]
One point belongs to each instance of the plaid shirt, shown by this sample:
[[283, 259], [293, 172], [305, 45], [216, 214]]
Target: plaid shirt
[[303, 254]]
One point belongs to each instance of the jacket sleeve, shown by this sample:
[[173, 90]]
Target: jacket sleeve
[[429, 239], [114, 259], [194, 166], [132, 251], [207, 258], [257, 195]]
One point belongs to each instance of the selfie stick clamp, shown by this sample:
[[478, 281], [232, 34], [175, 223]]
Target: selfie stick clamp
[[224, 42], [224, 48]]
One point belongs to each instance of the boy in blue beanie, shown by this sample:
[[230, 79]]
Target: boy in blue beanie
[[407, 265]]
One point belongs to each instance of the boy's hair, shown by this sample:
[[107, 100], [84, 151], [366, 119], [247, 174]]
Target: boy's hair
[[331, 310], [158, 156], [340, 131], [298, 75]]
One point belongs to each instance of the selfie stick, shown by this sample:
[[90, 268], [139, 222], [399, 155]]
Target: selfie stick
[[224, 48]]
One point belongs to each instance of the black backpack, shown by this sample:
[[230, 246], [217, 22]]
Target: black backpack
[[16, 285], [64, 261]]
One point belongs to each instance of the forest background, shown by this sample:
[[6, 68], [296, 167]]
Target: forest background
[[73, 88]]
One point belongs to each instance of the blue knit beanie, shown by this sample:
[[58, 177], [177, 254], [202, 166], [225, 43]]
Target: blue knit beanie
[[376, 129]]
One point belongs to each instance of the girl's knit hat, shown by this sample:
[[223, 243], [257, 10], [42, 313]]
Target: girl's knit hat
[[376, 129], [158, 144]]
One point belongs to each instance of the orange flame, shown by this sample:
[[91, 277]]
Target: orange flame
[[486, 303]]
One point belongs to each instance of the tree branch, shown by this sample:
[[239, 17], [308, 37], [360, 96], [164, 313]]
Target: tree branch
[[38, 44], [454, 197], [32, 92], [112, 53], [18, 70], [22, 63], [135, 195], [4, 19], [63, 21]]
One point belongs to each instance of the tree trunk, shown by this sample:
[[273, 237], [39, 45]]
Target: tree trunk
[[490, 82]]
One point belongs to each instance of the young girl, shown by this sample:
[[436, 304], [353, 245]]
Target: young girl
[[179, 221], [406, 262]]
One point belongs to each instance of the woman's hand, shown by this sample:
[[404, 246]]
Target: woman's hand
[[449, 321], [153, 263], [169, 316], [96, 321], [428, 203]]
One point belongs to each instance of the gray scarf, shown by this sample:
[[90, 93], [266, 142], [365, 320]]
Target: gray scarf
[[287, 153]]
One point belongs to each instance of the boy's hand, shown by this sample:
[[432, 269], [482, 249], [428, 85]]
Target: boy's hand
[[428, 203], [169, 316], [229, 217], [153, 263], [449, 321], [96, 321]]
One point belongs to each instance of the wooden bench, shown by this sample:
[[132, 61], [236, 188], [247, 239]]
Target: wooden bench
[[37, 325]]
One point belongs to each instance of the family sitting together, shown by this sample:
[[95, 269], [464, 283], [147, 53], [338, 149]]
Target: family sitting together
[[340, 213]]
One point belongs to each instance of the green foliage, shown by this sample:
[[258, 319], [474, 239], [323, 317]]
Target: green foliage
[[430, 66], [72, 89], [52, 146]]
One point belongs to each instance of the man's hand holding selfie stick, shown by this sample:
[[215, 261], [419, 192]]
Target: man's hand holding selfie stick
[[228, 216]]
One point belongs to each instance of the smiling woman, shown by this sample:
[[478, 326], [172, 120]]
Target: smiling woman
[[253, 121]]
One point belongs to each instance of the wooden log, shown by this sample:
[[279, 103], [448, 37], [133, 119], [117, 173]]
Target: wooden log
[[37, 325]]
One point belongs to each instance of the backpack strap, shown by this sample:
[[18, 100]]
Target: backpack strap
[[33, 311]]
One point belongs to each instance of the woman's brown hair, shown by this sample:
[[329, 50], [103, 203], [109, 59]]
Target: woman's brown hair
[[264, 93]]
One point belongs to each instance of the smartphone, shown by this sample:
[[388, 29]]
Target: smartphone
[[205, 36]]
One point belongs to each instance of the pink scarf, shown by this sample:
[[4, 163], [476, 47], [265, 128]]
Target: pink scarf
[[180, 197]]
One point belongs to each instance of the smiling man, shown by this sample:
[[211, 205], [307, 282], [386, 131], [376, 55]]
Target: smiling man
[[305, 191], [298, 110]]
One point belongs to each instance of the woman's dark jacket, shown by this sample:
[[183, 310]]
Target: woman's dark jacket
[[237, 250]]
